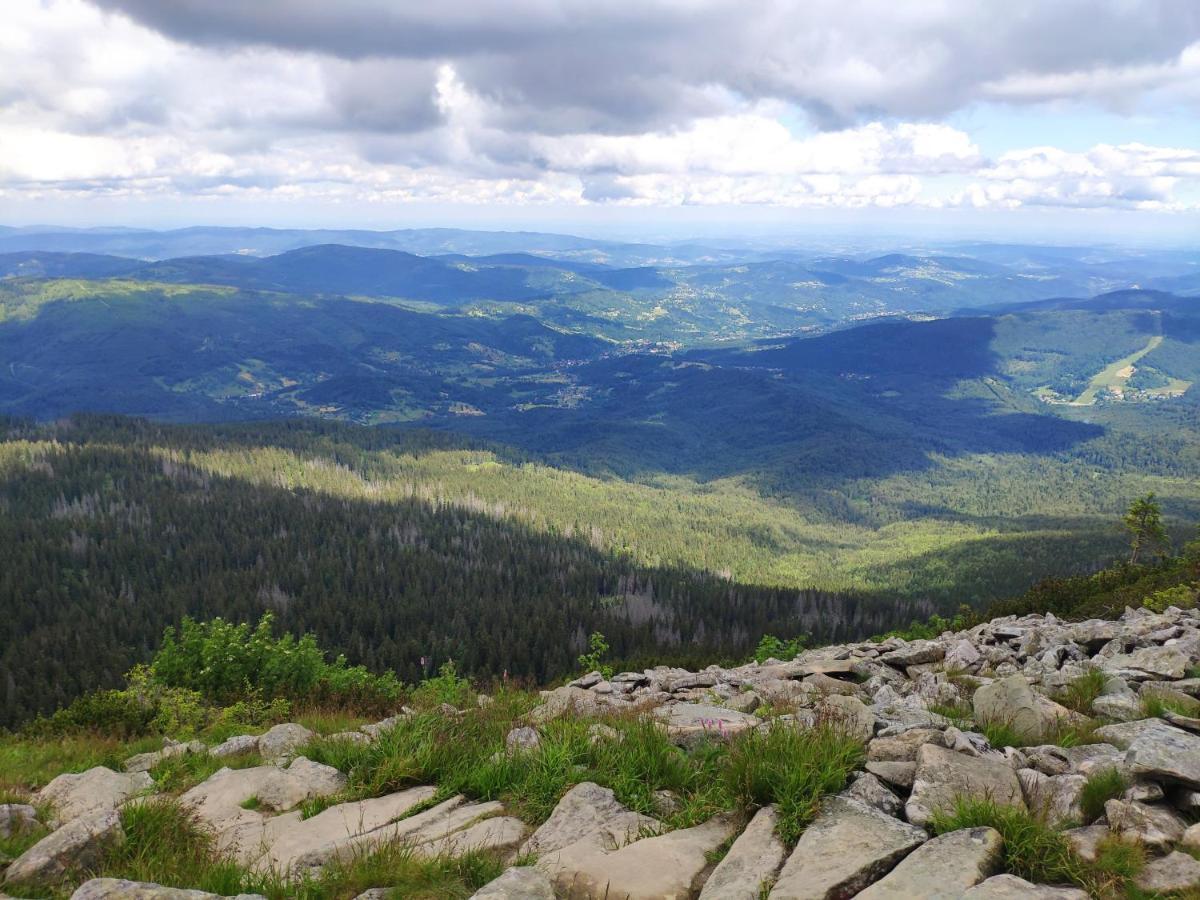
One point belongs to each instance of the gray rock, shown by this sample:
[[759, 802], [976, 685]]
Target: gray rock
[[523, 883], [665, 866], [566, 699], [943, 776], [1120, 707], [1149, 662], [915, 653], [591, 679], [943, 868], [377, 729], [283, 741], [236, 745], [751, 862], [522, 739], [901, 774], [1157, 827], [870, 790], [1166, 753], [349, 737], [849, 714], [586, 810], [1013, 702], [903, 747], [144, 762], [1085, 841], [746, 702], [847, 847], [1055, 797], [15, 818], [1191, 839], [1176, 872], [688, 723], [1122, 734], [1010, 887], [120, 889], [76, 845], [95, 790]]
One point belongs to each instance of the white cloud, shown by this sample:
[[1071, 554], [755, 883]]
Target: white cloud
[[579, 103]]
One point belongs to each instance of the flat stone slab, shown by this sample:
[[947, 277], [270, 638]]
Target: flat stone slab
[[847, 847], [1165, 753], [524, 883], [1168, 874], [1010, 887], [76, 845], [97, 789], [120, 889], [286, 838], [586, 810], [751, 862], [943, 868], [943, 776], [665, 867]]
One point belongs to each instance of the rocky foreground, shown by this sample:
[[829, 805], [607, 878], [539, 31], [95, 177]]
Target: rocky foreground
[[921, 709]]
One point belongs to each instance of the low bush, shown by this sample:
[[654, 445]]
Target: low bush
[[771, 647], [225, 663]]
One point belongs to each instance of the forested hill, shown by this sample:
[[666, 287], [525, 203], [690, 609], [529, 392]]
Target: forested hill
[[113, 529]]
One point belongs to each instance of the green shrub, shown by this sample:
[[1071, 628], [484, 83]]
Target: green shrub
[[1182, 596], [771, 647], [116, 713], [226, 663], [1101, 787], [446, 687], [593, 660]]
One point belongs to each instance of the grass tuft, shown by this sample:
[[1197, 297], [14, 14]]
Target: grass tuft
[[1101, 787], [793, 768], [1080, 693], [1032, 849]]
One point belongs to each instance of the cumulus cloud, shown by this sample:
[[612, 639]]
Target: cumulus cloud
[[819, 103]]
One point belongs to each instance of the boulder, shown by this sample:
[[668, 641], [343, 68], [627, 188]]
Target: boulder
[[691, 722], [847, 847], [1013, 702], [1175, 873], [584, 811], [1168, 663], [849, 714], [1191, 839], [915, 653], [942, 776], [1166, 753], [76, 845], [525, 883], [1157, 827], [95, 790], [144, 762], [1055, 797], [900, 774], [1085, 841], [120, 889], [873, 792], [236, 746], [1122, 734], [15, 818], [287, 838], [375, 730], [522, 739], [943, 868], [566, 699], [283, 741], [1010, 887], [751, 862], [903, 747], [666, 867]]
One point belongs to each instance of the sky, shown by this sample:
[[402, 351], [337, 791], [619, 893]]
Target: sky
[[976, 118]]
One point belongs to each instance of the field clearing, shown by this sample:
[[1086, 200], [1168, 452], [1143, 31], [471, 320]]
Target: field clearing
[[1114, 377]]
